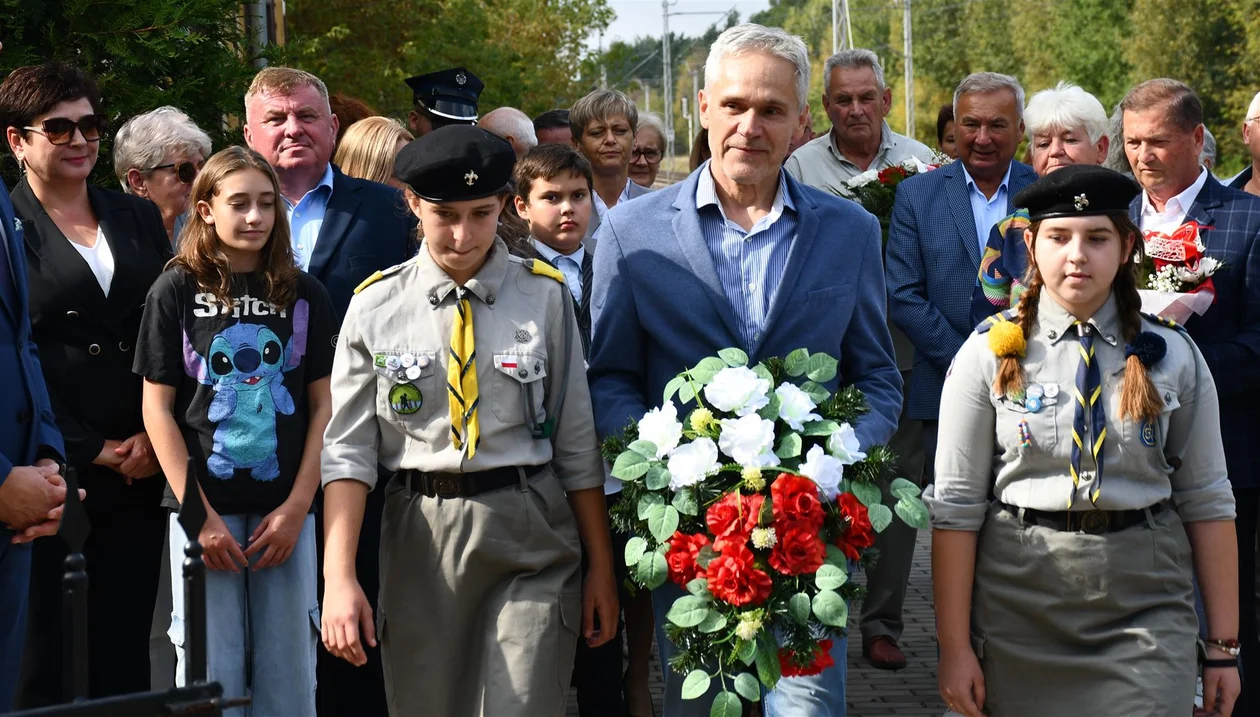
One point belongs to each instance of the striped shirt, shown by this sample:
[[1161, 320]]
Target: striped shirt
[[749, 264]]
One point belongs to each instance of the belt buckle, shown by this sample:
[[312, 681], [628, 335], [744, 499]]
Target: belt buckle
[[1095, 522], [446, 486]]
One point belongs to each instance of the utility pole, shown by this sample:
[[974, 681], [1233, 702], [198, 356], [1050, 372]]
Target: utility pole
[[841, 39], [667, 105], [647, 97], [835, 33], [909, 51]]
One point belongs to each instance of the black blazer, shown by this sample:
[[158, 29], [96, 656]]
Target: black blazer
[[87, 340]]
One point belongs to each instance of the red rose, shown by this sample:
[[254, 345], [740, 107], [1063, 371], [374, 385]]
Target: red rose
[[734, 579], [858, 533], [681, 557], [892, 174], [822, 660], [734, 541], [798, 550], [795, 501], [734, 514]]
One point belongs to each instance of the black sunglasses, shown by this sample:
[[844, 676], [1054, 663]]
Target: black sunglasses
[[186, 171], [60, 130]]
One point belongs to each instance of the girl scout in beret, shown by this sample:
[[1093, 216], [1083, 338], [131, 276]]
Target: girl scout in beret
[[1095, 430], [461, 371]]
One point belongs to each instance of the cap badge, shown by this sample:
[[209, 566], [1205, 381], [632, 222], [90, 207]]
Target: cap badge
[[1081, 201], [470, 177], [461, 78]]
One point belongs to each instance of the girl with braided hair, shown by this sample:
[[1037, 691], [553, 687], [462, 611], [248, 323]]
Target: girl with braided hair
[[1079, 480]]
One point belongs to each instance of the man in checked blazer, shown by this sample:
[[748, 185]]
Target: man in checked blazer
[[1163, 136], [940, 222]]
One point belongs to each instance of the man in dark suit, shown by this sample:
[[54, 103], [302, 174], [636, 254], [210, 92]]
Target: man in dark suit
[[940, 222], [344, 229], [1163, 136], [30, 449]]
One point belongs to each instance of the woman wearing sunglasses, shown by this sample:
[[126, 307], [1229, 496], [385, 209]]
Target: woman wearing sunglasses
[[157, 156], [91, 254]]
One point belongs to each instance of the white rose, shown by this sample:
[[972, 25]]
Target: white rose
[[749, 441], [738, 390], [865, 178], [1208, 265], [661, 427], [692, 462], [795, 406], [843, 445], [823, 470]]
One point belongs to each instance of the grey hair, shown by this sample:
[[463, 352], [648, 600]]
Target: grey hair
[[751, 37], [1117, 160], [653, 121], [601, 106], [1063, 107], [1208, 155], [855, 59], [985, 82], [144, 141], [1253, 110], [510, 122]]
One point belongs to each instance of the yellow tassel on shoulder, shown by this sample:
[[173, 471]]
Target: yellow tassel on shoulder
[[1006, 339]]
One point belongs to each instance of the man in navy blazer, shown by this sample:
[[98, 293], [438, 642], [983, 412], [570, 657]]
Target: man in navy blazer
[[1163, 136], [739, 254], [30, 449], [940, 222]]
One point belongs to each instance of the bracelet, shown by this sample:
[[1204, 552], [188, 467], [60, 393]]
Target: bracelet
[[1226, 662], [1231, 646]]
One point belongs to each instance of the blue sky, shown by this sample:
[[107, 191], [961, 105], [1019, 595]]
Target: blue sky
[[643, 17]]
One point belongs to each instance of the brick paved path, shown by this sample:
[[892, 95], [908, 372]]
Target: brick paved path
[[879, 693]]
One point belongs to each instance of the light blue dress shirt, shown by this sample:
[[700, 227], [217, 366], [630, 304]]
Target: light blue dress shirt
[[749, 264], [569, 264], [984, 211], [307, 217]]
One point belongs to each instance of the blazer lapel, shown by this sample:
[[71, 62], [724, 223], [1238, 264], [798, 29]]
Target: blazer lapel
[[686, 225], [1208, 199], [798, 254], [10, 230], [959, 201], [119, 226], [337, 216]]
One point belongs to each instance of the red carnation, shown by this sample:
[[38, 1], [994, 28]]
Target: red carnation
[[681, 557], [734, 514], [892, 174], [795, 501], [858, 533], [822, 660], [734, 579], [798, 550]]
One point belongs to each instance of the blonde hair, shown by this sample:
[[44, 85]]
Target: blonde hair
[[200, 252], [368, 148]]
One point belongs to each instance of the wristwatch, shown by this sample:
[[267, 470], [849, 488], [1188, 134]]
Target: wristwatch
[[1232, 647]]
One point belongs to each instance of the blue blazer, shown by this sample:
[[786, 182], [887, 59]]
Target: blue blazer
[[932, 226], [367, 227], [1229, 333], [659, 308], [28, 430]]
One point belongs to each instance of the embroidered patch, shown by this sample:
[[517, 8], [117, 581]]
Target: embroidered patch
[[522, 336], [405, 399], [1148, 433]]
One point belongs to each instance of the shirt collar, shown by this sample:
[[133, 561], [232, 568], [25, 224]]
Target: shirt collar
[[1180, 203], [1054, 323], [551, 255], [706, 192], [325, 181], [485, 284], [886, 142], [971, 183]]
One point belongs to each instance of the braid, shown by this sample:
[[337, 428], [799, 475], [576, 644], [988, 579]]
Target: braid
[[1138, 398], [1010, 374]]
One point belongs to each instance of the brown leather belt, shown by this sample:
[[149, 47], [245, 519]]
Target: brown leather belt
[[1093, 522], [464, 485]]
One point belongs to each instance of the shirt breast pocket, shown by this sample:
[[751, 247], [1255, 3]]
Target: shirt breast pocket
[[408, 387], [518, 378], [1141, 436], [1016, 424]]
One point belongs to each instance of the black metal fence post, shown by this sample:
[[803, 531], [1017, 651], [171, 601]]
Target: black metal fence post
[[74, 530], [192, 517]]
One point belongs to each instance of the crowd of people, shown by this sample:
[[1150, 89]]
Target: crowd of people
[[390, 352]]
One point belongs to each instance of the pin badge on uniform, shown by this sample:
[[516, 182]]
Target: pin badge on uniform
[[405, 399], [392, 363], [401, 376], [17, 224], [1051, 390], [380, 361], [422, 361], [1148, 433], [1033, 404], [522, 336], [1036, 391], [408, 360], [413, 373]]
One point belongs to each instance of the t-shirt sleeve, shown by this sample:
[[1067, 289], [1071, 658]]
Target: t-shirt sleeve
[[160, 344], [322, 342]]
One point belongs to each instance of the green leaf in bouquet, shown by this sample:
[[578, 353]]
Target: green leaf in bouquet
[[821, 428], [798, 606], [726, 704], [708, 367], [796, 363], [695, 684], [647, 501], [763, 372], [868, 494], [635, 548], [816, 391], [746, 652], [789, 446], [836, 556], [748, 687], [630, 466], [713, 622], [904, 489], [912, 512], [672, 387], [770, 411], [687, 393], [830, 577], [651, 570], [831, 609], [647, 449], [663, 521], [768, 670], [699, 587], [822, 368], [705, 556], [688, 611], [685, 501], [657, 478], [881, 516], [733, 357]]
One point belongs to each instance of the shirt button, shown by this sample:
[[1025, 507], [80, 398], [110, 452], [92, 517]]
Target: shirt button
[[1053, 334], [752, 286], [297, 214]]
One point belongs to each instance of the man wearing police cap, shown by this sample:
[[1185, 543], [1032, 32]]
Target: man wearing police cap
[[461, 371], [443, 98]]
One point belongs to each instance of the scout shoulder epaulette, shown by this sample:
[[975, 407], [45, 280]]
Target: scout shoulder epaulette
[[542, 268], [378, 275], [1166, 323], [989, 323]]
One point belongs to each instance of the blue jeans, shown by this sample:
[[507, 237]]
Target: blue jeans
[[820, 695], [262, 626], [15, 572]]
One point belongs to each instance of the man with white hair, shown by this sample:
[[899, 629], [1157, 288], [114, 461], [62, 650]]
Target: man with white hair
[[513, 125], [740, 254], [856, 100], [1249, 180]]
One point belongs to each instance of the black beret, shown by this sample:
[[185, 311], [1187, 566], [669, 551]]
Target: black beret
[[1081, 190], [451, 94], [456, 163]]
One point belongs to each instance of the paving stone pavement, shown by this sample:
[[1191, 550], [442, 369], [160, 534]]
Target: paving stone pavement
[[879, 693]]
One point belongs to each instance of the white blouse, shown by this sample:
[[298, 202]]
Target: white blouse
[[100, 259]]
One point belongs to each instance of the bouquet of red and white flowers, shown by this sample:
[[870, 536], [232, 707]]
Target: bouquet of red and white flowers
[[875, 189], [1176, 277], [756, 502]]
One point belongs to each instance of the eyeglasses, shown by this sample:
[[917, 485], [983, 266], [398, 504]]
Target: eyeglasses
[[651, 156], [60, 130], [186, 171]]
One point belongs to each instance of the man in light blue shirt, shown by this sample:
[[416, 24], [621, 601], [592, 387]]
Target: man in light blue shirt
[[987, 210], [306, 218]]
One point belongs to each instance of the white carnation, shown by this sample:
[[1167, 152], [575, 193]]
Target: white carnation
[[843, 445], [692, 462], [824, 470], [749, 441], [738, 390], [795, 406], [661, 427], [865, 178]]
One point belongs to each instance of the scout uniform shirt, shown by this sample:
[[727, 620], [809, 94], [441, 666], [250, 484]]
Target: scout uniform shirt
[[982, 448]]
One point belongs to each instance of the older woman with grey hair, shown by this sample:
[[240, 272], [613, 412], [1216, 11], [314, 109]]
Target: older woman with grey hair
[[649, 149], [157, 156]]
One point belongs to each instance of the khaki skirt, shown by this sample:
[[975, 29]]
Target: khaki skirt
[[1071, 624]]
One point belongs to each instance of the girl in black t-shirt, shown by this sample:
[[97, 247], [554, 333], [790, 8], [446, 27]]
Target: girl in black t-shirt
[[236, 348]]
